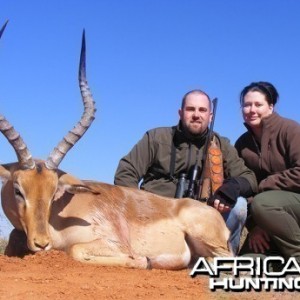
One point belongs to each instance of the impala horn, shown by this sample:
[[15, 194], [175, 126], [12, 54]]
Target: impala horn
[[24, 157], [3, 28], [85, 122]]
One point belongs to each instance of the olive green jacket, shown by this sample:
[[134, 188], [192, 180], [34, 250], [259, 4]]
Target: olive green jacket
[[149, 162]]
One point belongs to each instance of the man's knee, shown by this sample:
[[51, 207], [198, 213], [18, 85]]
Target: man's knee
[[236, 218], [239, 211]]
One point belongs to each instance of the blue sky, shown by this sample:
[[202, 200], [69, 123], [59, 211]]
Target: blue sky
[[142, 56]]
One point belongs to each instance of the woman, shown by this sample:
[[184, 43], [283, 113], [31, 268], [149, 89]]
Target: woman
[[271, 148]]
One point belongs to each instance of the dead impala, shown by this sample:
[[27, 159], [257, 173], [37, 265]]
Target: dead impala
[[97, 222]]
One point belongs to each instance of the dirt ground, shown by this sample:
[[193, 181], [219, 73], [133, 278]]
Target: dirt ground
[[54, 275]]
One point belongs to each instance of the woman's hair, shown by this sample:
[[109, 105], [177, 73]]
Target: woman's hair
[[263, 87]]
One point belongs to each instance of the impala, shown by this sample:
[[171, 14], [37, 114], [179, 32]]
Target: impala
[[100, 223]]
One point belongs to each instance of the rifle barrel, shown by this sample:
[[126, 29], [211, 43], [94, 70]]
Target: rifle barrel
[[207, 142]]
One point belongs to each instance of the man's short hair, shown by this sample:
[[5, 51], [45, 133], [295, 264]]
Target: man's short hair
[[196, 91]]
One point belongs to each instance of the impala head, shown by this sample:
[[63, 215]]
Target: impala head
[[30, 186]]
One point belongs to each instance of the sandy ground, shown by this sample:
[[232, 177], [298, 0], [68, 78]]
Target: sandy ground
[[54, 275]]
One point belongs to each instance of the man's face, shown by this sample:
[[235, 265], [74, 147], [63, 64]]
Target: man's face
[[196, 114]]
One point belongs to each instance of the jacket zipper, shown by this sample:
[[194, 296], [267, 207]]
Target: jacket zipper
[[257, 151]]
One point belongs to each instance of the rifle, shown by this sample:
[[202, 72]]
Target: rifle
[[204, 185], [191, 188]]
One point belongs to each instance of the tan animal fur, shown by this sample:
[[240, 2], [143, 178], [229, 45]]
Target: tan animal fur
[[100, 223]]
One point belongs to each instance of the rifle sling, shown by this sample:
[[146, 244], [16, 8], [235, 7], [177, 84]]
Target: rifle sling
[[173, 156]]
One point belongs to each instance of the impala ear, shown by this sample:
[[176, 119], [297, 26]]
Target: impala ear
[[59, 192], [72, 185], [72, 189], [67, 179], [4, 174], [78, 189]]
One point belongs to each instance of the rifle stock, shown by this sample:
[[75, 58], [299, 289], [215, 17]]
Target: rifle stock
[[204, 187]]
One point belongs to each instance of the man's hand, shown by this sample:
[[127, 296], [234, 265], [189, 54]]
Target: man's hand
[[225, 196], [259, 240], [220, 206]]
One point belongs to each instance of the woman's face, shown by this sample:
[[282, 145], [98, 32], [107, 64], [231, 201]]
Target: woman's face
[[255, 107]]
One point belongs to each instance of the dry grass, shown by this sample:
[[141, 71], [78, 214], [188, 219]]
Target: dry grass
[[3, 243]]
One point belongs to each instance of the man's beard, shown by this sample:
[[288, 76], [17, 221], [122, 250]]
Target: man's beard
[[195, 131]]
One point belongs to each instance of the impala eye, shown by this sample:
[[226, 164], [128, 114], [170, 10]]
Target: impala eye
[[18, 192]]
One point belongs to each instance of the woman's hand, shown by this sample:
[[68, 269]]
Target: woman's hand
[[259, 240]]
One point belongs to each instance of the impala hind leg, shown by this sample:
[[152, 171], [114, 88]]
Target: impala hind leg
[[103, 255], [172, 261], [206, 232], [212, 242]]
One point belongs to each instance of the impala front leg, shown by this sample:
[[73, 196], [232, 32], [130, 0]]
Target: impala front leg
[[103, 255]]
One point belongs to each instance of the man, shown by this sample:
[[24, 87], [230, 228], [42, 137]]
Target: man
[[159, 158]]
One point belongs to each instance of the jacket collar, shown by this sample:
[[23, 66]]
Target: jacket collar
[[182, 136], [269, 122]]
